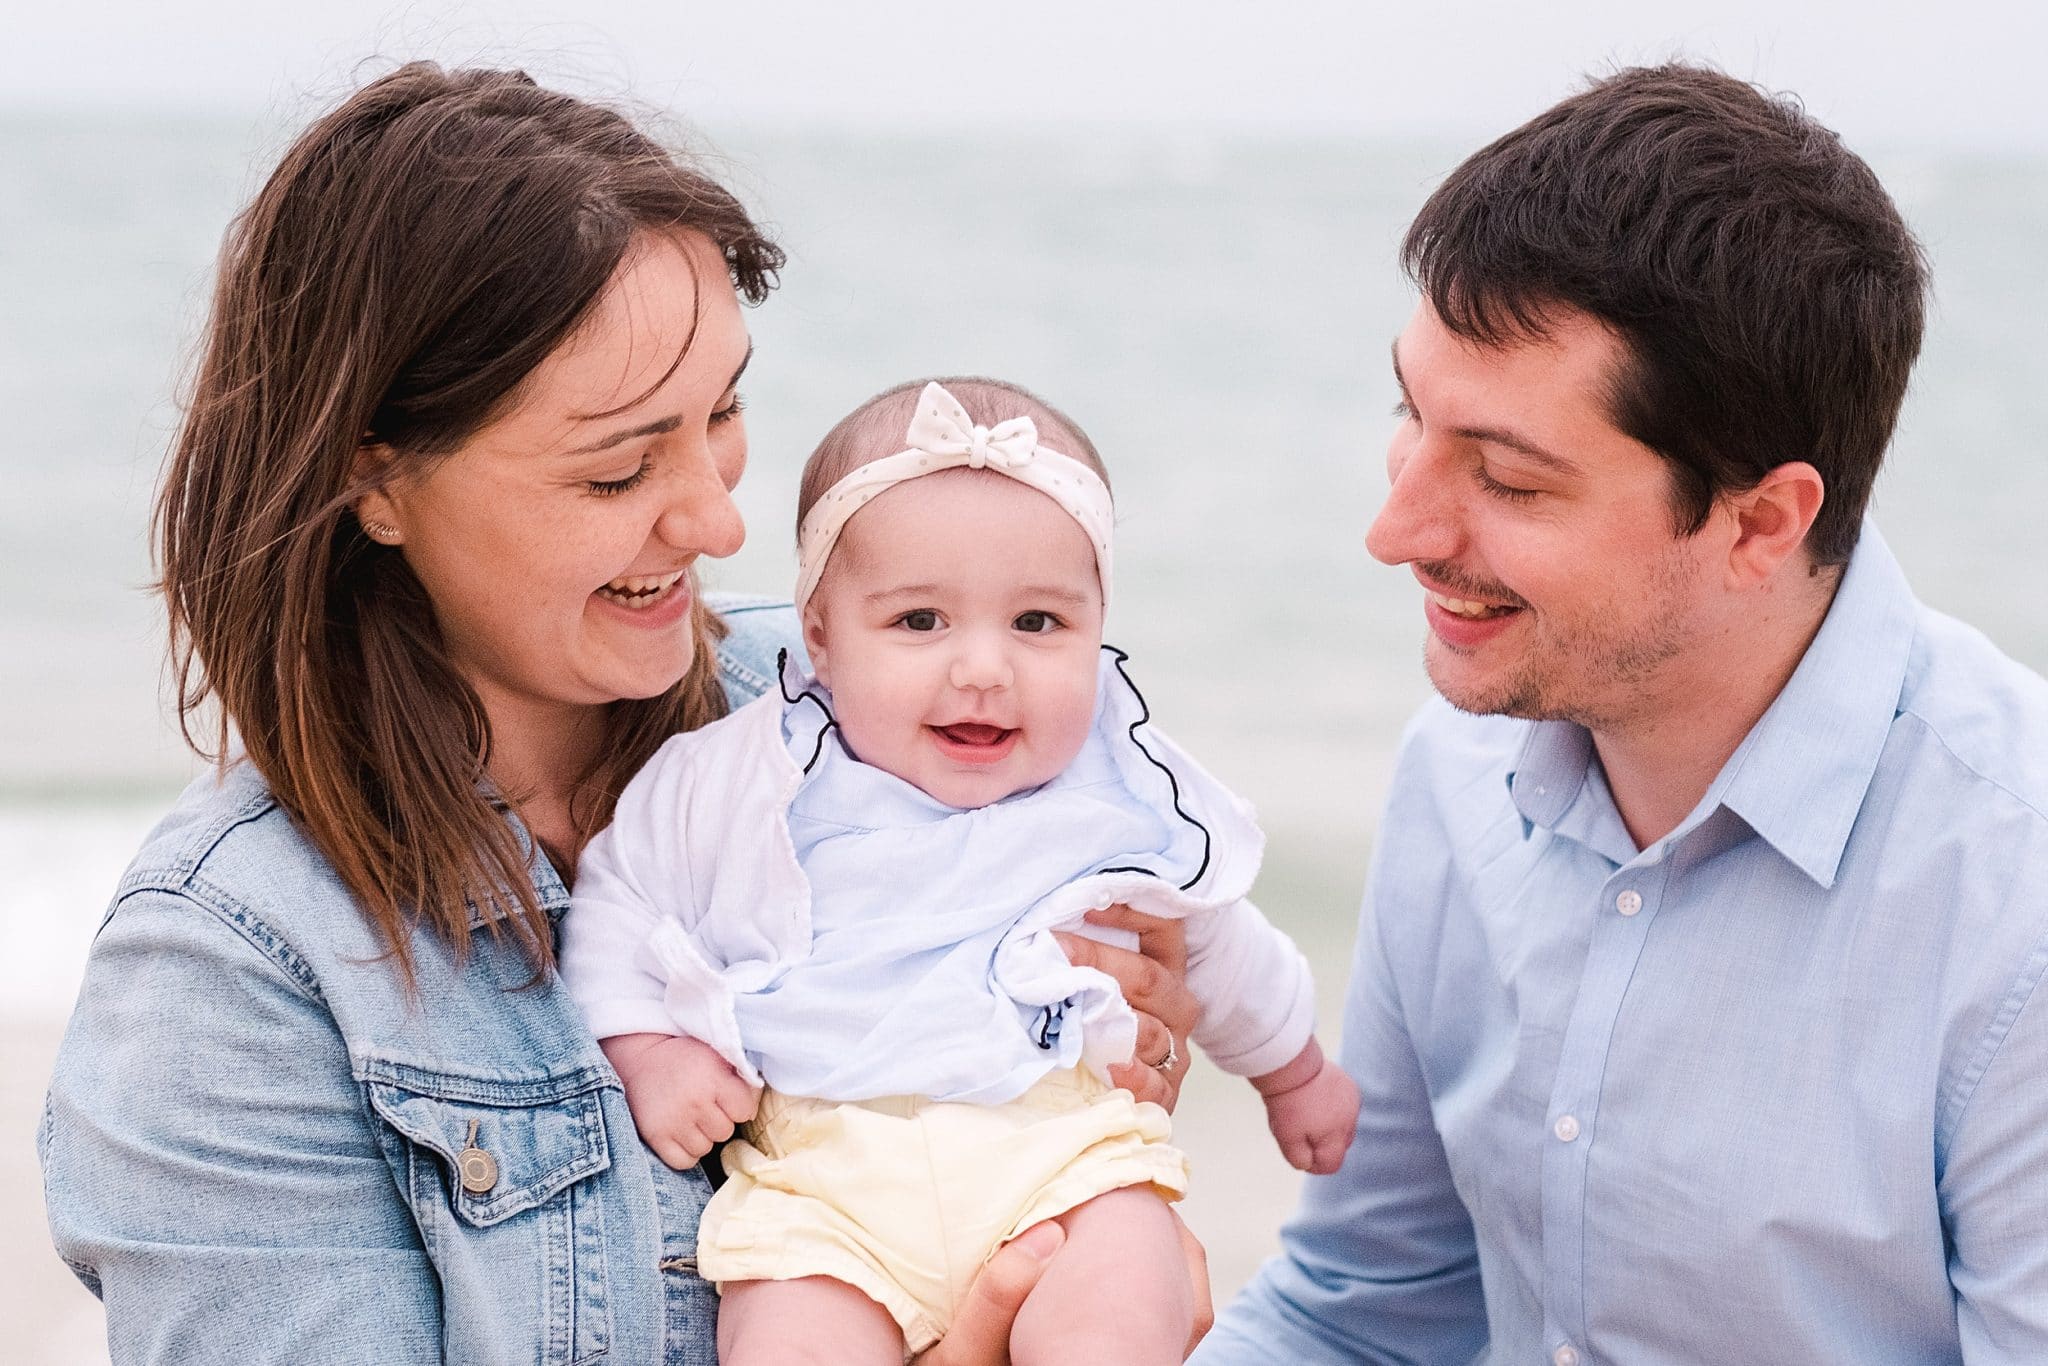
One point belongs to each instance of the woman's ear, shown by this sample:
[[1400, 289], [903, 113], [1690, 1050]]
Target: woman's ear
[[814, 640], [376, 510]]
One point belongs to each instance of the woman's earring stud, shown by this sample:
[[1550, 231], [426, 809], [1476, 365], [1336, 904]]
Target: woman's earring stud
[[381, 531]]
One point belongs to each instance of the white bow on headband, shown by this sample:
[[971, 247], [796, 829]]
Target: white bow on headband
[[943, 437]]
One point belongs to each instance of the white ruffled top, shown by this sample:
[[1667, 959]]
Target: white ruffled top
[[840, 934]]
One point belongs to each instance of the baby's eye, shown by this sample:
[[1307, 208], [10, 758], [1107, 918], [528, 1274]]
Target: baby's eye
[[1036, 623], [923, 619]]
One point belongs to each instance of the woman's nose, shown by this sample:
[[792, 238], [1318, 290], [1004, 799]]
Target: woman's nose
[[699, 514], [1419, 520]]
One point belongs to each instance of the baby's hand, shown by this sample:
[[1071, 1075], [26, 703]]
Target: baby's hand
[[1312, 1109], [685, 1098]]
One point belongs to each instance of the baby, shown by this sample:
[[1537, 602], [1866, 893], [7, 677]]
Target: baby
[[846, 894]]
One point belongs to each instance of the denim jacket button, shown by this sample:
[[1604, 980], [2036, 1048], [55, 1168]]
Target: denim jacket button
[[479, 1169]]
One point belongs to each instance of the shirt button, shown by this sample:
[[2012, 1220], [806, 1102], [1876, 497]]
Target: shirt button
[[1566, 1128], [1629, 902], [1567, 1355]]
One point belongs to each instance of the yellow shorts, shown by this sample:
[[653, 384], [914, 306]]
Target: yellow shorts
[[905, 1198]]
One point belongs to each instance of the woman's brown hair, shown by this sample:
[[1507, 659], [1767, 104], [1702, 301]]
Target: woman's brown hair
[[419, 251]]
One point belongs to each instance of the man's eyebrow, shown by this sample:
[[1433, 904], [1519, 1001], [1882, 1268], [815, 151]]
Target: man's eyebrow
[[1521, 445], [1498, 436], [660, 426]]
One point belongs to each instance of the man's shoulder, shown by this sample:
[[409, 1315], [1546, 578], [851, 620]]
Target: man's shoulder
[[1452, 749], [1450, 783], [1979, 712]]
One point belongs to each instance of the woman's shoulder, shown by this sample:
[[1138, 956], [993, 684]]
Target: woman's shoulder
[[758, 630], [228, 852]]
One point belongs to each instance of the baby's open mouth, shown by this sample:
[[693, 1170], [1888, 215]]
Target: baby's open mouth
[[974, 733]]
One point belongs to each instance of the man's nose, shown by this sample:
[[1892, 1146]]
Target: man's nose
[[1419, 520]]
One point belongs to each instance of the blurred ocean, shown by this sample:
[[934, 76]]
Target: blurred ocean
[[1215, 312]]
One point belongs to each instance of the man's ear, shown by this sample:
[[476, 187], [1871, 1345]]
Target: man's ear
[[376, 510], [814, 640], [1771, 522]]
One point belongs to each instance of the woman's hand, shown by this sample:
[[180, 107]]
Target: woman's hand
[[1154, 982], [980, 1335]]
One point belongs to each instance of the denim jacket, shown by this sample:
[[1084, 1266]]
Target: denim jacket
[[257, 1148]]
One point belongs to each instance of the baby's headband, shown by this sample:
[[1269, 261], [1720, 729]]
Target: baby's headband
[[943, 437]]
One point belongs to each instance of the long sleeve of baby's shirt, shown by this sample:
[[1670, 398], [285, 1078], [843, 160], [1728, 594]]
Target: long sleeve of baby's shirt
[[1258, 999], [692, 891], [627, 887]]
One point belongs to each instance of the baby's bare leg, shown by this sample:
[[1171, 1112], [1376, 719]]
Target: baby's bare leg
[[815, 1319], [1116, 1291]]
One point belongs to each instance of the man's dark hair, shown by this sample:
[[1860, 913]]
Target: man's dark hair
[[1769, 294]]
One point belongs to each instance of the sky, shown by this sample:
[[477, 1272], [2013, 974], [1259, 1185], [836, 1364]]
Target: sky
[[1894, 73]]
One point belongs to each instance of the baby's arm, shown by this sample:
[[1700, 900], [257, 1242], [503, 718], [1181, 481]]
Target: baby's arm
[[1258, 1020], [1312, 1109], [685, 1098], [633, 891]]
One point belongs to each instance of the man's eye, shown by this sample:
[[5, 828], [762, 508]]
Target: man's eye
[[1036, 623], [1505, 491], [922, 619]]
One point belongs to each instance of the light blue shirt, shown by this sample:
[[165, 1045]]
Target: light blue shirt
[[1774, 1089], [911, 901]]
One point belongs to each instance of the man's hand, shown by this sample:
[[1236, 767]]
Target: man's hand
[[1154, 983], [685, 1098]]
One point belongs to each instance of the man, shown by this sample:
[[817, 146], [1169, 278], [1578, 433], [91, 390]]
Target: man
[[1696, 1002]]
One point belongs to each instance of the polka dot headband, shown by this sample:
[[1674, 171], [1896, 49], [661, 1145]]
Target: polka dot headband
[[943, 437]]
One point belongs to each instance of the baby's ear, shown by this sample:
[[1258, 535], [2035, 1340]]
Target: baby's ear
[[814, 640]]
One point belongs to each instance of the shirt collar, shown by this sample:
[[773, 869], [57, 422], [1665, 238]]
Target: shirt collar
[[1801, 774], [1798, 779]]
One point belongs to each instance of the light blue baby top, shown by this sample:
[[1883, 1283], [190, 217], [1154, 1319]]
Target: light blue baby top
[[911, 899]]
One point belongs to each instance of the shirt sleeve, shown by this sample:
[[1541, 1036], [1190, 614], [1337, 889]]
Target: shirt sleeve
[[208, 1165], [1379, 1263], [1993, 1186], [1258, 998], [629, 882]]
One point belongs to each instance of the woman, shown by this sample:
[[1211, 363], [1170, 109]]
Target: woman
[[466, 418]]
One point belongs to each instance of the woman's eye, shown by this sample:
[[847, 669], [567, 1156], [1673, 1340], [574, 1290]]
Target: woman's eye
[[1403, 410], [736, 405], [606, 488], [1036, 623], [921, 620]]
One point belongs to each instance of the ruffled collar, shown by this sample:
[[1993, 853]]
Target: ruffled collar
[[838, 787]]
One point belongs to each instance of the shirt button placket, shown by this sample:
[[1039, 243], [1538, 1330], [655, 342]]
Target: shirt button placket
[[1565, 1355]]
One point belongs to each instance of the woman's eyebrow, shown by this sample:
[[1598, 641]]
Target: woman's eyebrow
[[658, 427], [661, 426]]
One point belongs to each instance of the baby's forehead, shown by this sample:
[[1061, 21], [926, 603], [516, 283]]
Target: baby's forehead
[[955, 513]]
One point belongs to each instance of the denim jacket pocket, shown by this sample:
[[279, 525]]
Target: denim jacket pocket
[[498, 1175]]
